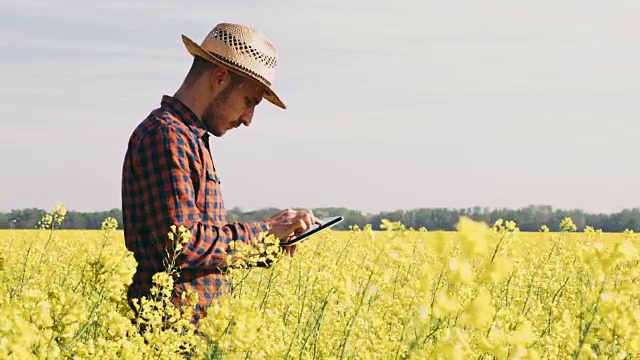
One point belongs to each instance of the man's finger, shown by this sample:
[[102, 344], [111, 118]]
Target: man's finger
[[314, 220], [291, 249], [299, 225], [308, 219]]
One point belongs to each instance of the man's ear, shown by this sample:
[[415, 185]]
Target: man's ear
[[219, 78]]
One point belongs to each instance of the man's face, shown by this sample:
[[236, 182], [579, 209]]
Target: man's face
[[233, 107]]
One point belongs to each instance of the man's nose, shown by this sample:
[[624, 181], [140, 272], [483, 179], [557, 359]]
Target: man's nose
[[246, 118]]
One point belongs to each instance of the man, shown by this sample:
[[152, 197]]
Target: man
[[169, 177]]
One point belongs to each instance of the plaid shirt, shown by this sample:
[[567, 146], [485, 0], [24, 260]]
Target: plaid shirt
[[168, 178]]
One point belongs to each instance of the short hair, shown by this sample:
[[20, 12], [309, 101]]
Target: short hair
[[200, 65]]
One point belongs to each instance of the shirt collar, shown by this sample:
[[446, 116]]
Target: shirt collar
[[185, 114]]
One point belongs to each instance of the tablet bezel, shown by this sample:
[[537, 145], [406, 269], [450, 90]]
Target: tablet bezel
[[327, 222]]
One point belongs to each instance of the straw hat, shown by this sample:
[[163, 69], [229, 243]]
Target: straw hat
[[242, 49]]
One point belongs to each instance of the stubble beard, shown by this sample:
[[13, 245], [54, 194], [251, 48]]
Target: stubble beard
[[211, 117]]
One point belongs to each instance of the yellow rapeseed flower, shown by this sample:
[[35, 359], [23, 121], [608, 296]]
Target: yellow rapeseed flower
[[479, 312], [476, 292], [473, 236], [567, 225], [499, 269], [460, 271]]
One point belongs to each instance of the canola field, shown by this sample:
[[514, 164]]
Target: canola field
[[480, 292]]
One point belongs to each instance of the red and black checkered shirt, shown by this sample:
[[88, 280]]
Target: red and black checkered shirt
[[168, 178]]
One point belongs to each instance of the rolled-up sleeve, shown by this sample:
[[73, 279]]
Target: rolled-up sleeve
[[168, 160]]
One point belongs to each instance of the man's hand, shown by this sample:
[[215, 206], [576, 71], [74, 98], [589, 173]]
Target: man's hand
[[290, 223], [290, 250]]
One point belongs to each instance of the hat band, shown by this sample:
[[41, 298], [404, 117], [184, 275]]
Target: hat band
[[233, 63]]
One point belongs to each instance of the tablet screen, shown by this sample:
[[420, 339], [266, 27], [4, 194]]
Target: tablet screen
[[326, 223]]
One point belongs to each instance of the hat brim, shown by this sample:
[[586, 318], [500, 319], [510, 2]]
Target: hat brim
[[196, 50]]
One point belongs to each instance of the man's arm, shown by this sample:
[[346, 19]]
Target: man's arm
[[165, 157]]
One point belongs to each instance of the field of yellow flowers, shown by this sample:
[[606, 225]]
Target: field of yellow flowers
[[481, 292]]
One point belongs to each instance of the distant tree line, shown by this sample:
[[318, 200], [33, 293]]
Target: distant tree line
[[529, 218]]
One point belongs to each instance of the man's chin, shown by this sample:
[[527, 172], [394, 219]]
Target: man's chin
[[218, 132]]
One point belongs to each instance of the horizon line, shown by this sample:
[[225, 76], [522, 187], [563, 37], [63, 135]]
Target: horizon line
[[453, 208]]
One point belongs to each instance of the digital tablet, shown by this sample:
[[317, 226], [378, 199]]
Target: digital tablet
[[326, 223]]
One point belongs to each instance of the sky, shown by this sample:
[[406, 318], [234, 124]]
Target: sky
[[391, 104]]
